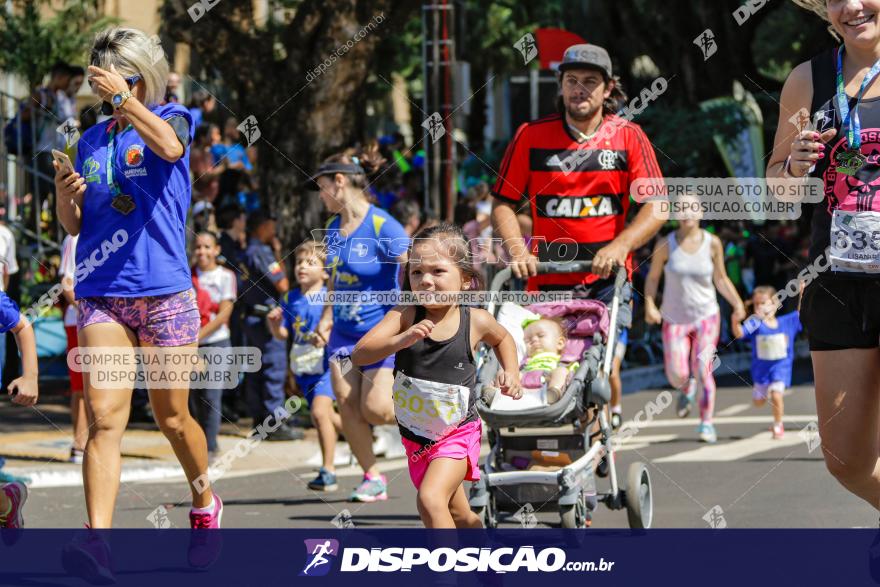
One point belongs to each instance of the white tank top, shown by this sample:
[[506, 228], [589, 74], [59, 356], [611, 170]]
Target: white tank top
[[688, 291]]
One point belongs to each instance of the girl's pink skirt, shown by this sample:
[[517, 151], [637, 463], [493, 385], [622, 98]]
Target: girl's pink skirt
[[463, 443]]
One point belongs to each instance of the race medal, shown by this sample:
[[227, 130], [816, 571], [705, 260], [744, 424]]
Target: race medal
[[123, 204], [849, 161]]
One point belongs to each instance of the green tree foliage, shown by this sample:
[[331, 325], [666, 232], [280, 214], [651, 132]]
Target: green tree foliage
[[31, 42]]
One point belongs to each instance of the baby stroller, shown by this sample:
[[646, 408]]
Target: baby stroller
[[567, 438]]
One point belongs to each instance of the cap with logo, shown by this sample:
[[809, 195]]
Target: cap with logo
[[587, 55]]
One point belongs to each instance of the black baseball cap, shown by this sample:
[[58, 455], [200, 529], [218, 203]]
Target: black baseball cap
[[333, 169], [587, 55]]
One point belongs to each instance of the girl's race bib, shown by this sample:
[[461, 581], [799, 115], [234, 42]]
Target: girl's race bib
[[772, 347], [306, 359], [429, 409]]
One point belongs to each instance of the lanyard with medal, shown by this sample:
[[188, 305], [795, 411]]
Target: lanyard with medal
[[120, 202], [850, 159]]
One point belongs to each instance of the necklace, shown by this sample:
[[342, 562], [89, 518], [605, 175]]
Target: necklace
[[585, 137]]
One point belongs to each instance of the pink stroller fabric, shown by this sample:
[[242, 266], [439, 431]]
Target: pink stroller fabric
[[581, 319], [532, 379]]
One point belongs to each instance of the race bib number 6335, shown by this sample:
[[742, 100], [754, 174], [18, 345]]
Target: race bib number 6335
[[855, 242]]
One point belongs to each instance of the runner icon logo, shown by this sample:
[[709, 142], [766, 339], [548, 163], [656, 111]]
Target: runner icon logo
[[528, 47], [706, 42], [159, 518], [526, 516], [342, 520], [715, 518], [708, 358], [319, 556], [343, 359], [435, 125], [810, 435]]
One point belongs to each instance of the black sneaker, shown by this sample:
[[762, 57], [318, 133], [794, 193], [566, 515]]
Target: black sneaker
[[284, 433]]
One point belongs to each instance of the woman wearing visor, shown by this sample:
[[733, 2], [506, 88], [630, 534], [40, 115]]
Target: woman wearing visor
[[365, 249]]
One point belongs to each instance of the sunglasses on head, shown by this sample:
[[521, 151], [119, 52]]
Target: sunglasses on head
[[131, 81], [106, 107]]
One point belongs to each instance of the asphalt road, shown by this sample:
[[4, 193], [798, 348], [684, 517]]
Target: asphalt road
[[746, 479]]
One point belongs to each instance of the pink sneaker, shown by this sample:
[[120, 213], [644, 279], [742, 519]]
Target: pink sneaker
[[13, 521], [16, 492], [205, 547], [87, 556], [778, 431]]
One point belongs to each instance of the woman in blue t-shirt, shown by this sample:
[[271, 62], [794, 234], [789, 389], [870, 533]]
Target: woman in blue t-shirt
[[128, 200], [365, 249]]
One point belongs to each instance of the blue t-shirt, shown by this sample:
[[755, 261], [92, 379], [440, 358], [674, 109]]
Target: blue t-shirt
[[261, 272], [234, 153], [365, 261], [772, 348], [197, 116], [9, 313], [300, 319], [142, 253]]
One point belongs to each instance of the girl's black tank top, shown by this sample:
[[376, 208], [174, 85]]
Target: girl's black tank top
[[447, 361]]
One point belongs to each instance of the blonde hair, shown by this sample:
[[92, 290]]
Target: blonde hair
[[820, 9], [816, 6], [311, 247], [132, 52]]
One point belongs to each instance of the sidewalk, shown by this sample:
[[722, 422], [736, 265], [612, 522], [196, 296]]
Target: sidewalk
[[36, 444]]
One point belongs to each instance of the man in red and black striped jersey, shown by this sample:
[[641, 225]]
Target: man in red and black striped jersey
[[576, 168]]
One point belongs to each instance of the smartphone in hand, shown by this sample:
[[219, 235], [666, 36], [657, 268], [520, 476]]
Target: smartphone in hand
[[63, 160]]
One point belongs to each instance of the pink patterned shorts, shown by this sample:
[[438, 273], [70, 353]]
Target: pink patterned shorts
[[169, 320]]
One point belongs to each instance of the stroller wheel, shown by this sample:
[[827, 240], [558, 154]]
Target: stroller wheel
[[575, 516], [639, 497]]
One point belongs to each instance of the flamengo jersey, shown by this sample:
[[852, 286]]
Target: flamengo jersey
[[579, 204]]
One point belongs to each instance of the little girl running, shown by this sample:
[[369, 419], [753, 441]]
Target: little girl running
[[772, 340], [435, 373]]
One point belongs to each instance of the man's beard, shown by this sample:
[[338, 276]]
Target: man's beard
[[575, 114]]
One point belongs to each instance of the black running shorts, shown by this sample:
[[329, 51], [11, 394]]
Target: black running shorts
[[841, 314]]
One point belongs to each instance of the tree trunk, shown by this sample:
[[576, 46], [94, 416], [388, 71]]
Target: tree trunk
[[304, 113]]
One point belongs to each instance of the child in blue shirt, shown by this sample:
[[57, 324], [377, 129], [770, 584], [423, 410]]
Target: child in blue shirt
[[298, 317], [772, 340]]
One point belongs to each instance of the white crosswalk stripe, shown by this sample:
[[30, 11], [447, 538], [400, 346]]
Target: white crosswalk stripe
[[733, 410], [735, 450]]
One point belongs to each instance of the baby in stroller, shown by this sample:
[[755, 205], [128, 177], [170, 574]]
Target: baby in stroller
[[553, 451], [551, 355], [545, 341]]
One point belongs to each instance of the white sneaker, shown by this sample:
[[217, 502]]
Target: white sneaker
[[395, 447], [382, 440], [341, 458]]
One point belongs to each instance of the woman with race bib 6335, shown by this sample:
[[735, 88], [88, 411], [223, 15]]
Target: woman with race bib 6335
[[839, 145]]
